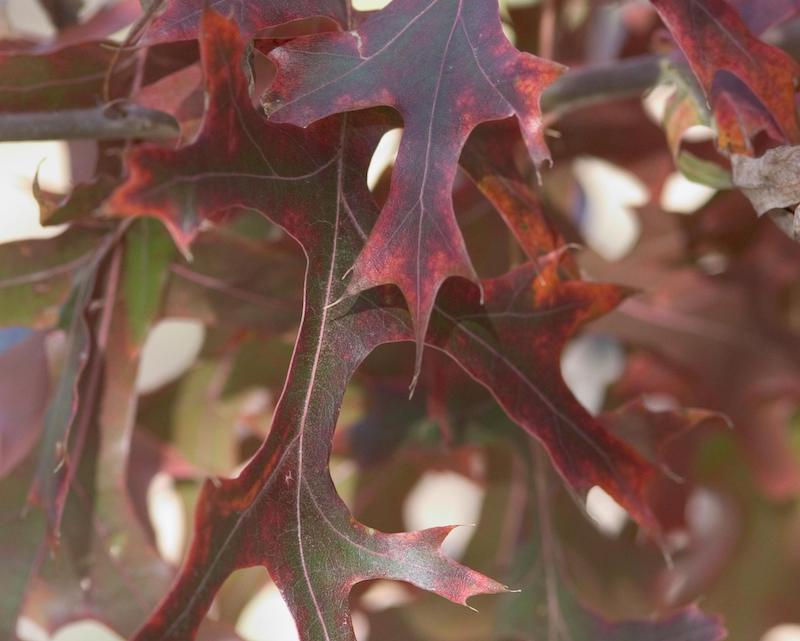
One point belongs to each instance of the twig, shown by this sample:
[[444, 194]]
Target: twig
[[577, 88], [118, 120], [588, 85], [631, 77], [150, 8]]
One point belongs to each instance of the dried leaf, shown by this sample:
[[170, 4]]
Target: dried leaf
[[769, 181]]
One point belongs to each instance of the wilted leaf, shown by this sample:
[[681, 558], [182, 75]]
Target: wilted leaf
[[59, 451], [42, 477], [38, 488], [81, 202], [105, 567]]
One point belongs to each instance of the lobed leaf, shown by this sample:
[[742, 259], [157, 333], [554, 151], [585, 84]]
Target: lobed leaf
[[475, 75], [286, 491]]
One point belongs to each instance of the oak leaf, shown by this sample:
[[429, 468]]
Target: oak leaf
[[309, 541], [474, 74]]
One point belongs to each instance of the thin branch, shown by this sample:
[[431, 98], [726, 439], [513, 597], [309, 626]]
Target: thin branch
[[584, 86], [588, 85], [114, 121], [150, 7], [577, 88]]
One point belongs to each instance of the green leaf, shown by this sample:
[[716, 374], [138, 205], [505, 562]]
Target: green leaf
[[36, 276], [704, 172], [149, 250]]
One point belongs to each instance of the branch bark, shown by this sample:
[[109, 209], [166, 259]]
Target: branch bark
[[630, 77], [574, 89], [577, 88], [588, 85], [119, 120]]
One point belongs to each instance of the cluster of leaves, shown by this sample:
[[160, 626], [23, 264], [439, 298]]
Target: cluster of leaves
[[229, 186]]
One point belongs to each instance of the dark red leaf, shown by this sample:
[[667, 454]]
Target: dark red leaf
[[285, 491], [473, 75], [238, 159], [512, 345]]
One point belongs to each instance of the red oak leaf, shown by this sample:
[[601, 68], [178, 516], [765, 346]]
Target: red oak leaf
[[180, 20], [237, 160], [512, 345], [715, 39], [473, 74], [241, 160], [283, 511]]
